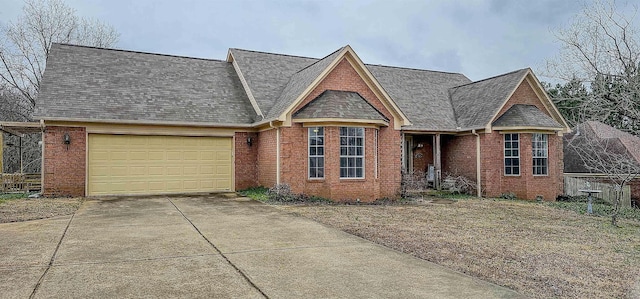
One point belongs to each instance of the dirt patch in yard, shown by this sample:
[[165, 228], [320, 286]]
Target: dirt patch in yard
[[537, 250], [23, 209]]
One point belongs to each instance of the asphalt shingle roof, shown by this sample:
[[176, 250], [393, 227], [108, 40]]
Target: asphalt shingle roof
[[421, 95], [102, 84], [476, 103], [525, 115], [105, 84], [339, 104], [267, 74], [299, 82]]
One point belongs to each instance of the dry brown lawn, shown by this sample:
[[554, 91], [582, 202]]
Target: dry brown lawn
[[24, 209], [537, 250]]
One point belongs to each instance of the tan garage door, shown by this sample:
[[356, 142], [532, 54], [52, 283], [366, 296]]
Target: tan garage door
[[133, 164]]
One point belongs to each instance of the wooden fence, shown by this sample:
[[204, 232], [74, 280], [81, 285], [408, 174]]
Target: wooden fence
[[574, 183], [20, 182]]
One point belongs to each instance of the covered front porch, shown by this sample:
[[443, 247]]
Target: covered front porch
[[438, 161]]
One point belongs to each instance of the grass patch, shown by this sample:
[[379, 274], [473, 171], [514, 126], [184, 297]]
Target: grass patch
[[9, 196], [535, 248], [256, 193], [599, 209]]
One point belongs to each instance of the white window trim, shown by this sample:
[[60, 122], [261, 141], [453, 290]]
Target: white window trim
[[309, 156], [546, 153], [504, 157], [364, 134]]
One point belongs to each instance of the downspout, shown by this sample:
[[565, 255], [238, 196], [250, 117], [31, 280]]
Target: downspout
[[478, 177], [277, 151], [42, 134]]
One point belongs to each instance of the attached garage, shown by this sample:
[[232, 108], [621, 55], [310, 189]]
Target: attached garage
[[137, 164]]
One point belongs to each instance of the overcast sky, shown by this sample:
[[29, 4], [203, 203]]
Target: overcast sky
[[479, 38]]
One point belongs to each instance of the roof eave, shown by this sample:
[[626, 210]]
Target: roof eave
[[145, 122]]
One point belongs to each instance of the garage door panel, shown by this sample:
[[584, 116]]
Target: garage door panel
[[131, 164]]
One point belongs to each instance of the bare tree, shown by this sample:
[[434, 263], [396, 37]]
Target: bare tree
[[24, 49], [601, 51], [25, 43], [608, 156]]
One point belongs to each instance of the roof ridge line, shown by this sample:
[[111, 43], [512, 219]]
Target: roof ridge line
[[485, 79], [140, 52], [278, 54], [413, 69]]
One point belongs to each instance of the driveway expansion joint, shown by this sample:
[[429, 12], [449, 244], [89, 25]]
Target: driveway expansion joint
[[290, 248], [53, 257], [244, 275]]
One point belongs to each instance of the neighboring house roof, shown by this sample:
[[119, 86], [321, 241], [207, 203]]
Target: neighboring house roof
[[475, 104], [630, 143], [104, 84], [520, 115], [84, 83], [339, 104]]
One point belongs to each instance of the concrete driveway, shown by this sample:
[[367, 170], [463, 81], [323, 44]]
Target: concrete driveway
[[210, 247]]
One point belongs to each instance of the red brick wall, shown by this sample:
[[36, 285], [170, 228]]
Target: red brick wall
[[422, 156], [294, 157], [635, 191], [246, 160], [526, 185], [266, 158], [64, 169], [459, 155], [294, 149]]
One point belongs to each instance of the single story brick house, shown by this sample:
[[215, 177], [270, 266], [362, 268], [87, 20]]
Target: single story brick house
[[121, 123]]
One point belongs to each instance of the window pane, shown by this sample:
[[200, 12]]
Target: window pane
[[343, 172], [359, 151], [313, 162], [352, 172], [359, 162], [343, 151], [312, 151], [359, 172], [343, 140], [343, 131], [313, 173], [320, 172], [320, 151], [320, 162], [514, 137], [343, 162]]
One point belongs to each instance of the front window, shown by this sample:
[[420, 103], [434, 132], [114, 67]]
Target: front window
[[540, 154], [351, 152], [511, 154], [316, 152]]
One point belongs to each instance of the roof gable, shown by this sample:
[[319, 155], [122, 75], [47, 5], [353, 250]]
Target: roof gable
[[286, 106], [475, 104], [336, 104]]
